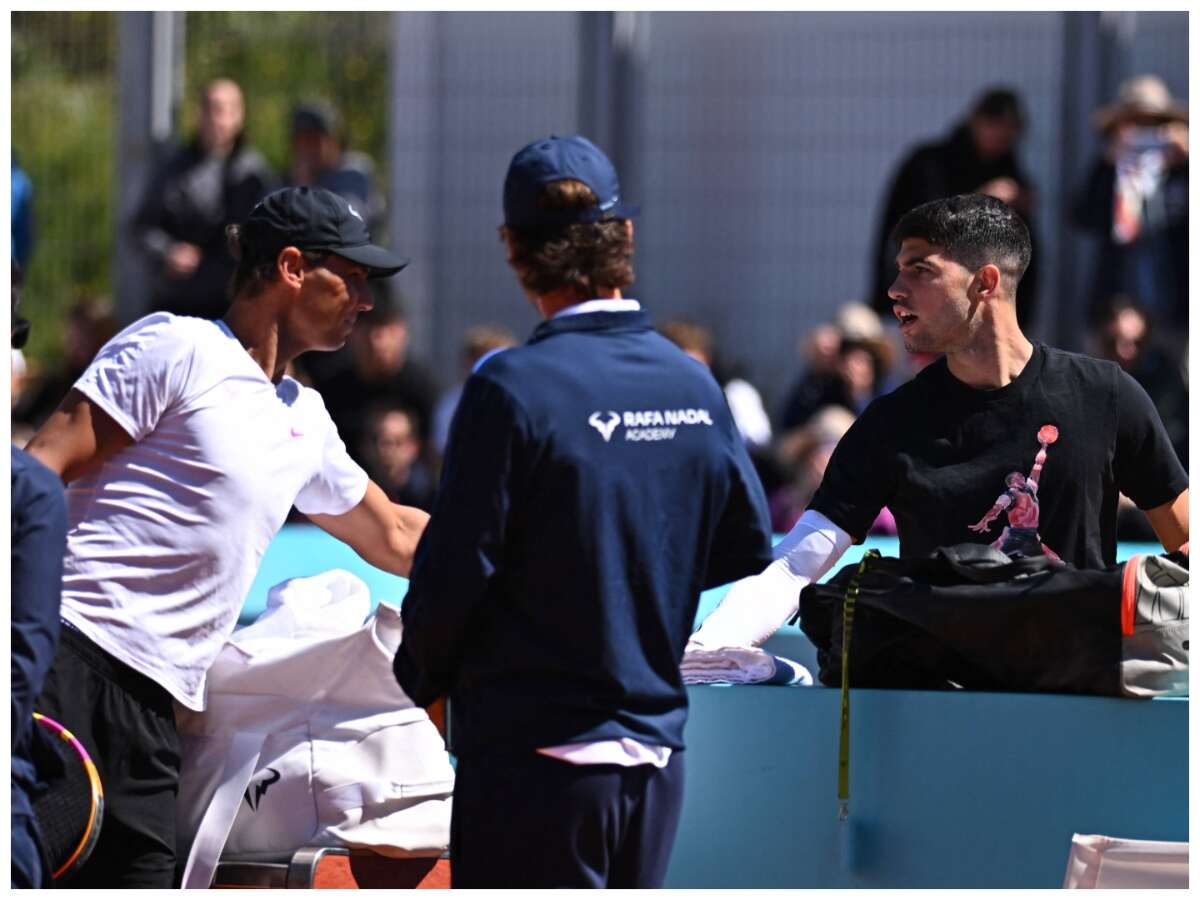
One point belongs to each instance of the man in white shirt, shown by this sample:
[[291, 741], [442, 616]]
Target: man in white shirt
[[184, 445]]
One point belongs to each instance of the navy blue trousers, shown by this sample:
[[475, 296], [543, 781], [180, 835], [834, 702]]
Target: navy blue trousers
[[28, 871], [527, 820]]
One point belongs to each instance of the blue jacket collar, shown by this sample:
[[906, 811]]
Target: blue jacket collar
[[635, 320]]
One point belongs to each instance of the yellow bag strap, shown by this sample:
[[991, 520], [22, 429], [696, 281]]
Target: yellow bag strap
[[844, 740]]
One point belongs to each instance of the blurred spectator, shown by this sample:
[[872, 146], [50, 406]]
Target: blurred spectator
[[319, 157], [820, 348], [391, 454], [212, 182], [22, 215], [1135, 199], [1125, 336], [743, 398], [745, 402], [977, 157], [477, 343], [864, 360], [380, 371], [89, 325], [804, 453], [18, 369]]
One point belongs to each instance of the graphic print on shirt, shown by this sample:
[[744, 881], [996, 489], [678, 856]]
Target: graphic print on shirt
[[1020, 536]]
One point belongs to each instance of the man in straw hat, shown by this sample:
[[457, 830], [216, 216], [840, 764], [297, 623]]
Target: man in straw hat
[[937, 450], [1135, 199]]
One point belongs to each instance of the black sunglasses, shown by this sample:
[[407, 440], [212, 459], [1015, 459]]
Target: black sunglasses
[[20, 332]]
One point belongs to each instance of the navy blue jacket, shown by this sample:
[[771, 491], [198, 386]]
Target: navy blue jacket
[[39, 536], [594, 483]]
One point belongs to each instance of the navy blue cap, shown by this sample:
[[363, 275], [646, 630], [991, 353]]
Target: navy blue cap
[[557, 159], [312, 218]]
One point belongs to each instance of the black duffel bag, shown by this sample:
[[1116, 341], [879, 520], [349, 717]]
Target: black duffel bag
[[969, 616]]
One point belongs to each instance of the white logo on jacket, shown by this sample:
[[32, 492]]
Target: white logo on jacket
[[605, 427], [648, 424]]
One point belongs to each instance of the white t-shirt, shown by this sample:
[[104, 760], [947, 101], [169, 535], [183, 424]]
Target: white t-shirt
[[165, 539]]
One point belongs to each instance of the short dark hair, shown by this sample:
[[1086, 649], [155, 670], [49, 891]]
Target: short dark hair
[[585, 256], [1000, 103], [973, 230], [256, 267]]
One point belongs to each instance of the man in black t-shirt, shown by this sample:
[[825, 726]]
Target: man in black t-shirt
[[935, 450]]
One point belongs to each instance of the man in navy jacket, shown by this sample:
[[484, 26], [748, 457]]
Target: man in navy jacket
[[38, 538], [594, 484]]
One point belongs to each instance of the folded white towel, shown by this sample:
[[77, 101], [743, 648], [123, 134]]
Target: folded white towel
[[740, 665]]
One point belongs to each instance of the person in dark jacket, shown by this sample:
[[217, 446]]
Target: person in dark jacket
[[978, 157], [38, 537], [319, 157], [594, 484], [1135, 201], [213, 181]]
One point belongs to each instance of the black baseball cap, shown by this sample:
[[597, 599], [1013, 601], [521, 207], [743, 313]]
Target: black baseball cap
[[312, 218], [556, 159]]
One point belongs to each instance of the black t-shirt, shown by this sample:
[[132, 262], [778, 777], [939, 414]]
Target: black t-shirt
[[941, 455]]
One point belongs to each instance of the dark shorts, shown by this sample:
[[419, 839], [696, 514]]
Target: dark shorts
[[127, 723], [527, 820]]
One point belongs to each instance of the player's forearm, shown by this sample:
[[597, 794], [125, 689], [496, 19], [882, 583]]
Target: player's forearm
[[395, 554], [1170, 522], [383, 533], [755, 607]]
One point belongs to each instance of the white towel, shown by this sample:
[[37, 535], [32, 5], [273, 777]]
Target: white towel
[[741, 665]]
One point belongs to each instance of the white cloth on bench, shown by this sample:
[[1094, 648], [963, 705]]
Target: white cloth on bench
[[307, 739]]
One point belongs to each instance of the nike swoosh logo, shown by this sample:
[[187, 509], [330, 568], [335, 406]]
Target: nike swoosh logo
[[296, 433]]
